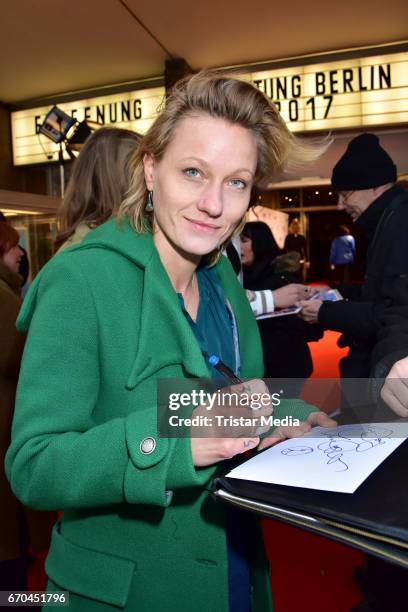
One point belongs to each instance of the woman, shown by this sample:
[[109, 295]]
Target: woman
[[98, 184], [132, 303], [18, 528], [284, 339], [12, 342]]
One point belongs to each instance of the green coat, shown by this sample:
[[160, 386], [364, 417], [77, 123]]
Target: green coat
[[140, 530]]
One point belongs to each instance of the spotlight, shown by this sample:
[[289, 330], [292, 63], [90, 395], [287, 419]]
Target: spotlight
[[56, 124], [59, 127]]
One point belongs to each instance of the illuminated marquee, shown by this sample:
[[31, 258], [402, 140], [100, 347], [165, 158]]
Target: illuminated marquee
[[360, 92], [343, 94], [135, 110]]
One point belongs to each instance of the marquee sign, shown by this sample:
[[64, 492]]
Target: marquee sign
[[344, 94], [135, 110], [350, 93]]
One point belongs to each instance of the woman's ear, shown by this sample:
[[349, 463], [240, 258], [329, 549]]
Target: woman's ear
[[148, 166]]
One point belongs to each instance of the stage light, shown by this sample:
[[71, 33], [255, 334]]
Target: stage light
[[57, 124], [61, 128]]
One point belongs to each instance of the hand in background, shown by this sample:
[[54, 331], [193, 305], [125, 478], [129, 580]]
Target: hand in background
[[395, 389], [310, 310], [290, 295], [295, 431]]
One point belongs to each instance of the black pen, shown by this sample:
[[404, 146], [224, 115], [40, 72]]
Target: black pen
[[215, 361]]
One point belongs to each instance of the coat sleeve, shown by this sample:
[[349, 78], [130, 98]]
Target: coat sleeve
[[358, 319], [60, 457], [348, 292], [392, 337]]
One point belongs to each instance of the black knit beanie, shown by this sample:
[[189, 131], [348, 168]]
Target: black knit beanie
[[364, 165]]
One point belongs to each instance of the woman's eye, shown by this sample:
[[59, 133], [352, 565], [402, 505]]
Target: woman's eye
[[237, 183], [192, 172]]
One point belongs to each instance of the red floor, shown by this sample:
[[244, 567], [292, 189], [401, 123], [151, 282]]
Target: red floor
[[311, 573]]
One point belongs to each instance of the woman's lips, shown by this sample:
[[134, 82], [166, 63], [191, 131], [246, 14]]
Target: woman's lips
[[204, 227]]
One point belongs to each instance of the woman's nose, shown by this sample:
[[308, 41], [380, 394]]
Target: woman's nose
[[211, 201]]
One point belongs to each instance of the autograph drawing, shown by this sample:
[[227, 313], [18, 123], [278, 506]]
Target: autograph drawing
[[350, 439]]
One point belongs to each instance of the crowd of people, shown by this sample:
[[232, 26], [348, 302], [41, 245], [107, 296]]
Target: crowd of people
[[141, 289]]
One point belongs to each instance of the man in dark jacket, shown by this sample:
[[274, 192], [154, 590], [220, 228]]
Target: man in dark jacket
[[365, 181]]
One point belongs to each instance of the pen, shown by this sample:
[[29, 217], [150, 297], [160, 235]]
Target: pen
[[215, 361]]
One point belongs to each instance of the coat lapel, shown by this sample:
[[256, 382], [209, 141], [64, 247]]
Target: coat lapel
[[165, 336]]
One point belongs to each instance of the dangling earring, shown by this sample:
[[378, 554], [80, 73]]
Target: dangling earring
[[149, 203]]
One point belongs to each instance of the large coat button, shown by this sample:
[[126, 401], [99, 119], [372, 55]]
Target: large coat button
[[147, 446]]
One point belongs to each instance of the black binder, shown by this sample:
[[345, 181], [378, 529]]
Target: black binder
[[374, 519]]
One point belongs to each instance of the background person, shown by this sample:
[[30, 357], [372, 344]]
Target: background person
[[342, 254], [264, 301], [20, 528], [98, 184], [137, 300], [284, 339], [24, 265], [365, 178], [295, 241]]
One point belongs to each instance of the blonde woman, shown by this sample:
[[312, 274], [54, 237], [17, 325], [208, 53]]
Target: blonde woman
[[98, 184], [135, 301]]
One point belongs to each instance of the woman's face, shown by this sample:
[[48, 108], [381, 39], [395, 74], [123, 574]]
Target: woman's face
[[202, 185], [247, 254], [12, 258]]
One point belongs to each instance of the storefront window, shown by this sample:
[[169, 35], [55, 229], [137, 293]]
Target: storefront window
[[37, 234]]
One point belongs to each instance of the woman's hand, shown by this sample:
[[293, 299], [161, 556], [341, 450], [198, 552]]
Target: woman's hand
[[290, 294], [235, 423], [295, 431]]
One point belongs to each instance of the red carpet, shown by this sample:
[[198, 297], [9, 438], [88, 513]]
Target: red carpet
[[311, 573]]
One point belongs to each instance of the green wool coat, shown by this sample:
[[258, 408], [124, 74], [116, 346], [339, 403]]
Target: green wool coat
[[139, 531]]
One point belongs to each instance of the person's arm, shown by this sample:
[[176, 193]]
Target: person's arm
[[261, 301], [353, 247], [333, 252], [360, 319], [265, 301], [62, 455], [392, 336]]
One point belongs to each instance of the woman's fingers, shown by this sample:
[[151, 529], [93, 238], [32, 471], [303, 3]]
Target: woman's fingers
[[208, 451]]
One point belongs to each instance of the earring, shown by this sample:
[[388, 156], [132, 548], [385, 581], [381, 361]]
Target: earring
[[149, 203]]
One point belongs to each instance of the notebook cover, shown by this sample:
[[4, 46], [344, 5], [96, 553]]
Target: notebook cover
[[379, 505]]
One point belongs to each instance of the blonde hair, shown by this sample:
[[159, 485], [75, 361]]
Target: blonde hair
[[99, 181], [233, 100]]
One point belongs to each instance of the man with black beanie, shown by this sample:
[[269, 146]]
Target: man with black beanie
[[364, 179]]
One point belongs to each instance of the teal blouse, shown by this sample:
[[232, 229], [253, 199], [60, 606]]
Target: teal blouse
[[213, 330]]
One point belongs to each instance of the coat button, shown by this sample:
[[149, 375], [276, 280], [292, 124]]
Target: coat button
[[147, 446]]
